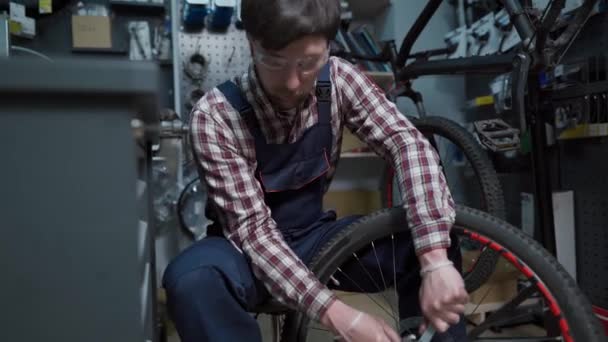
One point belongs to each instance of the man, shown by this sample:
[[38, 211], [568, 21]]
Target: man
[[267, 145]]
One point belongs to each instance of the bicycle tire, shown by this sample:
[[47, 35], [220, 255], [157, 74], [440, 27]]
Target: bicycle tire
[[192, 180], [492, 199], [577, 318]]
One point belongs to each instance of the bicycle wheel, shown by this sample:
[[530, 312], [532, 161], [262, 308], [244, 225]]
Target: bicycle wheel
[[485, 193], [190, 209], [190, 205], [542, 289]]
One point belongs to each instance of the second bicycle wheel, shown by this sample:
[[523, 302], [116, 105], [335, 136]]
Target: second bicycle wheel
[[460, 154], [538, 300], [457, 149]]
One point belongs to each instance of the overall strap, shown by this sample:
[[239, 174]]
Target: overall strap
[[238, 101], [323, 94], [235, 96]]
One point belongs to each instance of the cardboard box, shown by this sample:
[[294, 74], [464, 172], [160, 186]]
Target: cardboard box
[[490, 297], [91, 32], [494, 291], [499, 288], [350, 143], [504, 269]]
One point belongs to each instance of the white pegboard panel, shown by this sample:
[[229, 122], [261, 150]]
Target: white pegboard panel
[[227, 54]]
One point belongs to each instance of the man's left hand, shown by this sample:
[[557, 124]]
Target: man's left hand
[[442, 292]]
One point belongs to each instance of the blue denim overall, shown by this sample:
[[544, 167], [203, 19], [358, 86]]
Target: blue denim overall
[[211, 289]]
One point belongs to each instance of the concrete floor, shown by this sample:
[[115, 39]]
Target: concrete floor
[[359, 301]]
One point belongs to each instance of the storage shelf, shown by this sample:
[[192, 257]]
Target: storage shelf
[[138, 6], [480, 101], [595, 130], [367, 9]]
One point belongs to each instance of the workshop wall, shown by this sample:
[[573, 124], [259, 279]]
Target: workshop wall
[[54, 36], [582, 168], [449, 89]]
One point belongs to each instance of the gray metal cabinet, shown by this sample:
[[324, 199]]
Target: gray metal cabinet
[[76, 250]]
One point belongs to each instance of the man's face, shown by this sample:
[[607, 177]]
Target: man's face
[[288, 75]]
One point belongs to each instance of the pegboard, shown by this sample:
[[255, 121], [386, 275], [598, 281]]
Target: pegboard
[[227, 55], [583, 168]]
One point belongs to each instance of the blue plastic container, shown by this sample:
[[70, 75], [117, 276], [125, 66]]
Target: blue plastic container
[[221, 18], [194, 13]]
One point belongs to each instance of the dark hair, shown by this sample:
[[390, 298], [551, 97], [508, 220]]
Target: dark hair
[[277, 23]]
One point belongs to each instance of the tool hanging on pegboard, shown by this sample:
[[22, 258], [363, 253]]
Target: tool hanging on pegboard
[[195, 68], [140, 47]]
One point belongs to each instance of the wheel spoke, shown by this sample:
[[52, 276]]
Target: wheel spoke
[[395, 274], [367, 294], [483, 298], [381, 291], [384, 284]]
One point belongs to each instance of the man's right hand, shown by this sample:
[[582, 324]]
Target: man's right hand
[[340, 317]]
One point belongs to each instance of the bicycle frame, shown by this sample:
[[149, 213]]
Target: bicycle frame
[[537, 52], [533, 41]]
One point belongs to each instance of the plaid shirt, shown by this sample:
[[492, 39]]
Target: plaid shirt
[[226, 151]]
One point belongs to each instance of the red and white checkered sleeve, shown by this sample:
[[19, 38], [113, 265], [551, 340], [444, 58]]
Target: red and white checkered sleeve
[[232, 187], [377, 121]]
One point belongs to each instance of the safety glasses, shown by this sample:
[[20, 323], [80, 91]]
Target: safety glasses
[[305, 65]]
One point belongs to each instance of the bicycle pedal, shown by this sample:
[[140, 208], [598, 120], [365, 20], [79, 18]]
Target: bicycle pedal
[[497, 135]]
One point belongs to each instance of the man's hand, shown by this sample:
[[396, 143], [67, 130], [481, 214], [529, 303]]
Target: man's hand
[[356, 326], [442, 292]]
